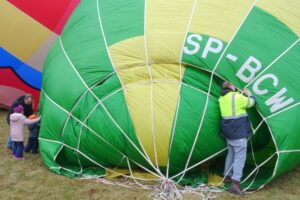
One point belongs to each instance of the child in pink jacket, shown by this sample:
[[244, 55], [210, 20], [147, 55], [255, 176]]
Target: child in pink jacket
[[17, 121]]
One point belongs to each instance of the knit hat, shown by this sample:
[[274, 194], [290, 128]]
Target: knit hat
[[227, 85], [18, 109]]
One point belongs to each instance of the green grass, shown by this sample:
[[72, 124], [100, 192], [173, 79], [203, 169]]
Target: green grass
[[30, 179]]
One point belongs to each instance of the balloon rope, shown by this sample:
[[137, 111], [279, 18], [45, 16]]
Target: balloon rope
[[180, 80], [93, 161], [151, 88], [265, 118], [73, 108], [256, 166], [274, 61], [283, 110], [209, 89], [95, 133], [105, 109], [134, 178]]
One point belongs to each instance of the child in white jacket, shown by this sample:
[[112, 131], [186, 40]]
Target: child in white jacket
[[17, 121]]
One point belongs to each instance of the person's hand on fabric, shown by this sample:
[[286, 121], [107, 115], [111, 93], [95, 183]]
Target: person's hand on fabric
[[247, 92]]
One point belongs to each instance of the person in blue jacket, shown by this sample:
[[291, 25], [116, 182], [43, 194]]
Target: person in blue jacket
[[34, 129], [235, 128]]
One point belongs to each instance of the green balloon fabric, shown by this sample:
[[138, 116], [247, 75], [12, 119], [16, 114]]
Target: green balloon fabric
[[135, 84]]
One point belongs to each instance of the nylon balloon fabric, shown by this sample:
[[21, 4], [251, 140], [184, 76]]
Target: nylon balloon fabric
[[135, 84]]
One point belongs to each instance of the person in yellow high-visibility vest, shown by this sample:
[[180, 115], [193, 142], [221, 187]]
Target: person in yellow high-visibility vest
[[235, 128]]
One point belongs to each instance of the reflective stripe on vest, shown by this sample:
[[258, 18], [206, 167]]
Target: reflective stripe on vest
[[233, 104]]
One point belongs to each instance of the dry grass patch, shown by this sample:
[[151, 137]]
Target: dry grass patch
[[30, 180]]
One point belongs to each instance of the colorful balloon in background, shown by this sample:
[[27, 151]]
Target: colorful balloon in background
[[28, 30]]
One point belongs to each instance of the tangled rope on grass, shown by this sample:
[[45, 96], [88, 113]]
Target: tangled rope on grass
[[168, 189]]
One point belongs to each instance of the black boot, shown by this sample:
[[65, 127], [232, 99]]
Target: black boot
[[235, 188]]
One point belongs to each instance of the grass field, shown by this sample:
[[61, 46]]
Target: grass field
[[30, 179]]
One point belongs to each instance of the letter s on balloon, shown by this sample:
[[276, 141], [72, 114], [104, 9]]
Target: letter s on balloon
[[196, 45]]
